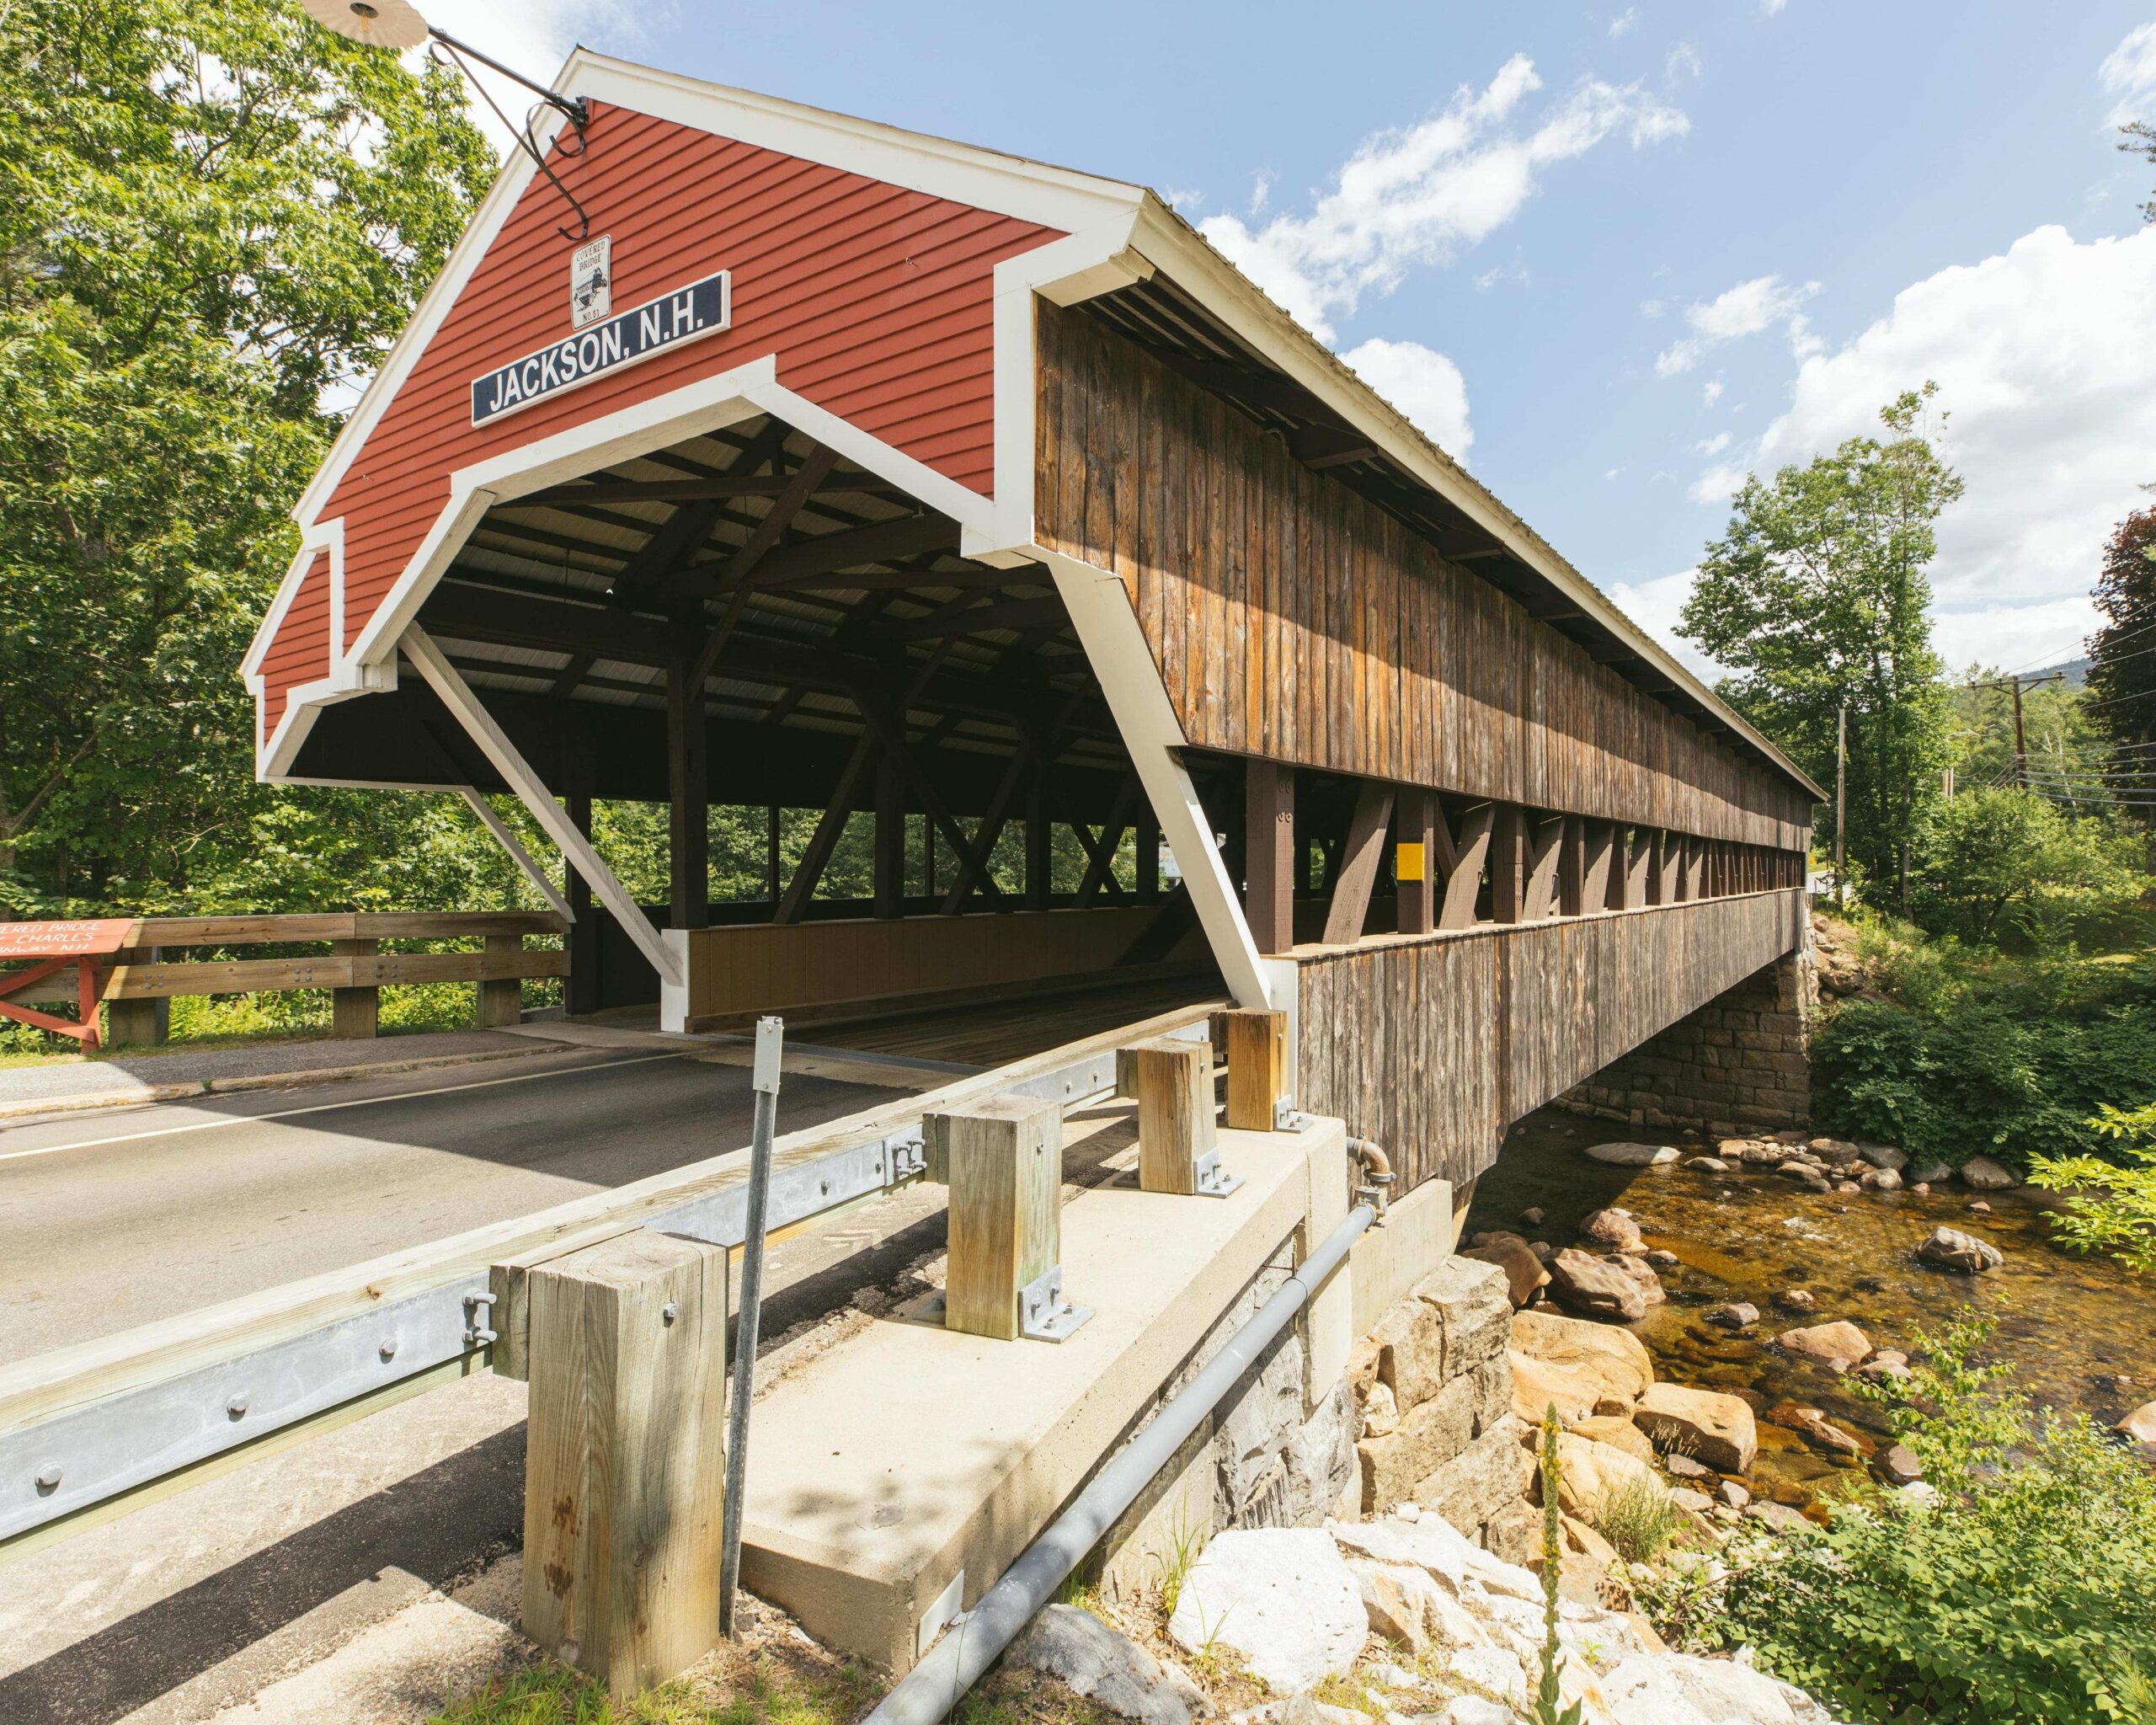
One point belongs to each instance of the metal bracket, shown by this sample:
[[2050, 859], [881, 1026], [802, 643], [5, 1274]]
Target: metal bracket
[[909, 1156], [479, 1318], [1288, 1117], [1214, 1181], [1044, 1314]]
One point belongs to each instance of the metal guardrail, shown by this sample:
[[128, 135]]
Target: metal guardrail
[[79, 1457]]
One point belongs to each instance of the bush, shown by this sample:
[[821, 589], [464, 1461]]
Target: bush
[[2110, 1207], [1993, 864], [1971, 1053], [2020, 1593]]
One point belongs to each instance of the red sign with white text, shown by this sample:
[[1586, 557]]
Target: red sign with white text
[[64, 940]]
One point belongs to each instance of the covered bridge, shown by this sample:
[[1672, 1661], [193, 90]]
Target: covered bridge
[[983, 505]]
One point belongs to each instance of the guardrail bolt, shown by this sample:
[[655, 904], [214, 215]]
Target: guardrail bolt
[[670, 1310], [48, 1477], [389, 1350], [237, 1407]]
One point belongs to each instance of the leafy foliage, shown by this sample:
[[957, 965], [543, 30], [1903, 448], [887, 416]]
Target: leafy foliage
[[1544, 1708], [2020, 1592], [208, 217], [2111, 1207], [2008, 861], [1979, 1073], [2121, 668], [1816, 595]]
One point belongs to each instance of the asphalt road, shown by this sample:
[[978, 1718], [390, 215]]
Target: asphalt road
[[118, 1217]]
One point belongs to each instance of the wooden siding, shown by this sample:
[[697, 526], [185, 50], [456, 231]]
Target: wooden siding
[[876, 300], [1294, 619], [299, 652], [770, 968], [1432, 1045]]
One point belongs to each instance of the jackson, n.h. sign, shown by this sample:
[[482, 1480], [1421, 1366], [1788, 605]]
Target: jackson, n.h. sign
[[700, 308]]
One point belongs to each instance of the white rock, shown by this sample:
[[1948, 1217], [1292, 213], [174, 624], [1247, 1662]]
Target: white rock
[[1282, 1597], [1394, 1676], [1492, 1670], [1434, 1543], [1092, 1659], [1473, 1710], [1675, 1689], [1634, 1156]]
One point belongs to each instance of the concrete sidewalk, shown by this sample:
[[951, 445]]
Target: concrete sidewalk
[[172, 1074]]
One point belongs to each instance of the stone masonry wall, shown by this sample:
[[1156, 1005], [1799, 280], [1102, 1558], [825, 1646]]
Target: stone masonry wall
[[1739, 1063]]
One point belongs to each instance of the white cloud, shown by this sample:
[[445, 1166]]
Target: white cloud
[[1183, 200], [1710, 391], [1424, 194], [2045, 359], [1515, 273], [1749, 308], [1423, 385], [1767, 8], [1655, 605], [1718, 483], [2018, 636], [1625, 21], [1715, 445], [1683, 62], [2129, 74]]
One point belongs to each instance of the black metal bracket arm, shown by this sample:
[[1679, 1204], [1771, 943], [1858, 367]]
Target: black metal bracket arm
[[575, 107]]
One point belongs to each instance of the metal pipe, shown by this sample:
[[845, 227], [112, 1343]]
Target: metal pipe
[[973, 1644], [770, 1037]]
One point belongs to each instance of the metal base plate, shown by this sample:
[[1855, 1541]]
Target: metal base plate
[[1214, 1181], [1044, 1314]]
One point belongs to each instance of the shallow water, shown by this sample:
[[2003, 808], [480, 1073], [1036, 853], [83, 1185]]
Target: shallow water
[[2079, 1331]]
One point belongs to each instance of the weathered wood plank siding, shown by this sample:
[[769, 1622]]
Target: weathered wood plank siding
[[1293, 618], [1433, 1044]]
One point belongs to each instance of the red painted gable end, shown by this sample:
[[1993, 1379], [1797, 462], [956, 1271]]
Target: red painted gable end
[[874, 299]]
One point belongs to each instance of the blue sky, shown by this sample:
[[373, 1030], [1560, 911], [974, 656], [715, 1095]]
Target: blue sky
[[1613, 255]]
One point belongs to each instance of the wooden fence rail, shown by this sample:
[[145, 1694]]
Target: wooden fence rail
[[135, 981]]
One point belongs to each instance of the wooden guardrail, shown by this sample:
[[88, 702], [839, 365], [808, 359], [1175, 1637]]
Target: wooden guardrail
[[134, 981]]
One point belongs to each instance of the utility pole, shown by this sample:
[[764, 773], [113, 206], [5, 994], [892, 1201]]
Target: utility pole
[[1841, 806], [2020, 741]]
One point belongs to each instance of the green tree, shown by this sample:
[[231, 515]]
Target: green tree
[[1994, 856], [1817, 597], [2141, 140], [209, 217], [2065, 740], [2123, 660]]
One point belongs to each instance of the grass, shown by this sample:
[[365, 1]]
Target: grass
[[762, 1692], [1640, 1521], [1186, 1541]]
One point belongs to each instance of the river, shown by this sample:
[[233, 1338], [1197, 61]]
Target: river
[[2079, 1331]]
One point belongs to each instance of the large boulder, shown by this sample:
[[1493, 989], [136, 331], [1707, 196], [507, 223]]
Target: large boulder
[[1442, 1550], [1985, 1175], [1926, 1173], [1951, 1249], [1644, 1277], [1616, 1431], [1733, 1315], [1405, 1604], [1676, 1688], [1480, 1481], [1522, 1270], [1281, 1597], [1104, 1664], [1589, 1474], [1634, 1156], [1884, 1156], [1615, 1361], [1815, 1428], [1422, 1439], [2140, 1425], [1704, 1425], [1538, 1384], [1454, 1320], [1595, 1287], [1836, 1346], [1614, 1231]]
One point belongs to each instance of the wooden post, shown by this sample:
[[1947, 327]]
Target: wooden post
[[1637, 859], [357, 1012], [1545, 843], [1040, 844], [1362, 858], [1269, 855], [1256, 1042], [1462, 862], [624, 1466], [772, 886], [1003, 1156], [1148, 861], [891, 841], [688, 802], [1595, 880], [139, 1024], [580, 992], [501, 1001], [1572, 867], [1414, 862], [1175, 1122], [1508, 864]]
